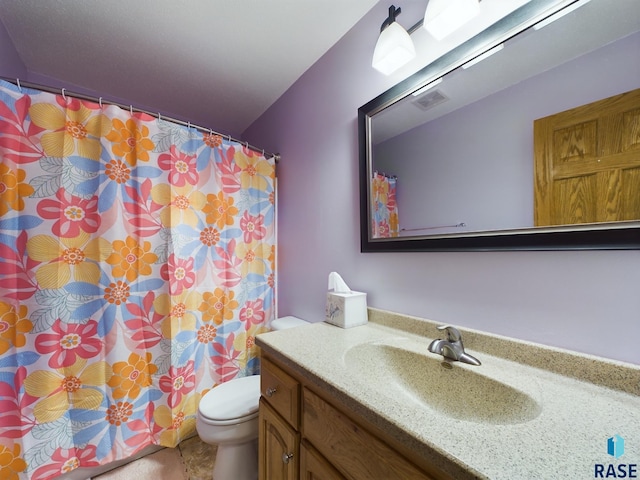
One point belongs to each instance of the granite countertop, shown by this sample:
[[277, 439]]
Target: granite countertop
[[577, 401]]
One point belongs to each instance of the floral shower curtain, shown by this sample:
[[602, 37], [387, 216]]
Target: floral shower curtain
[[384, 208], [136, 266]]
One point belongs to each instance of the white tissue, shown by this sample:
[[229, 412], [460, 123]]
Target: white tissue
[[345, 308], [337, 284]]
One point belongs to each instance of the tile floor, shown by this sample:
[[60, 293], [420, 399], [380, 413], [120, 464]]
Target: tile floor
[[191, 460]]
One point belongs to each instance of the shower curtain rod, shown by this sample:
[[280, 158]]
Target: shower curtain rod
[[131, 108]]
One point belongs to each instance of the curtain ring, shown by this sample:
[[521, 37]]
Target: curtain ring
[[131, 109], [63, 95], [100, 102], [19, 86], [159, 117]]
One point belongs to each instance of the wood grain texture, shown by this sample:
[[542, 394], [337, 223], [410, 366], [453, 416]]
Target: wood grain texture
[[276, 438], [587, 163], [355, 452], [285, 398], [314, 466]]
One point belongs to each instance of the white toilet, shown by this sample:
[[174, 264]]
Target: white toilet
[[228, 417]]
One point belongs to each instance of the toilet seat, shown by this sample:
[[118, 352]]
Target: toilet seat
[[231, 402]]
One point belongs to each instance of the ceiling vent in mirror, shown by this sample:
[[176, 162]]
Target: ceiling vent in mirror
[[430, 100]]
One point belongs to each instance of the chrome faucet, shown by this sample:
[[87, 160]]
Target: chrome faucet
[[452, 348]]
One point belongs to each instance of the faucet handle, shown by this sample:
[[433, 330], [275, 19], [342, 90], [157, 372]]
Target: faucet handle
[[453, 334]]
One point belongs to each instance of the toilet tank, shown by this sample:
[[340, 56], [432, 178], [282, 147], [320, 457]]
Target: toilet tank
[[283, 323]]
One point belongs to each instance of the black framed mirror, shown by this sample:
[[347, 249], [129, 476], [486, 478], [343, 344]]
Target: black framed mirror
[[483, 193]]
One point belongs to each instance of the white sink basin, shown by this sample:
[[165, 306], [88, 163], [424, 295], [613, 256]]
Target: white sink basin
[[463, 392]]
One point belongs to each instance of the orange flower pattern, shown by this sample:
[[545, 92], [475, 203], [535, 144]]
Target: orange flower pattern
[[129, 141], [13, 326], [12, 189], [220, 210], [130, 258], [11, 464], [137, 267], [384, 207], [117, 171], [218, 306], [119, 413], [131, 376]]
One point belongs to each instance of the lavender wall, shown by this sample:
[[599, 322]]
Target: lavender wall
[[585, 301], [463, 168], [10, 64]]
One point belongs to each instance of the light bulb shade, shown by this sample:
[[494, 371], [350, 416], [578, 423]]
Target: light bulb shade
[[444, 17], [394, 49]]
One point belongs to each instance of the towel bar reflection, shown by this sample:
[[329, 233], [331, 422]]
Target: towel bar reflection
[[457, 225]]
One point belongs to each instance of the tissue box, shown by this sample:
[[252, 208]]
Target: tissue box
[[346, 310]]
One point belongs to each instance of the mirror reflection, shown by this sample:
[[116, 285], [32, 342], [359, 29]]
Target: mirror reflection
[[485, 148]]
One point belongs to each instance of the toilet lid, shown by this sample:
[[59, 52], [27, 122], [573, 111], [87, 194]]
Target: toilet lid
[[283, 323], [233, 399]]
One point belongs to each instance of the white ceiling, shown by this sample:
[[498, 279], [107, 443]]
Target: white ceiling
[[216, 63]]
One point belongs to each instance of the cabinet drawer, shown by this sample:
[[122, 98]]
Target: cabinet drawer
[[281, 391], [355, 452]]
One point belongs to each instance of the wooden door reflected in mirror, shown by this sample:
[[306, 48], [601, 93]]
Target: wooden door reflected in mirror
[[587, 163]]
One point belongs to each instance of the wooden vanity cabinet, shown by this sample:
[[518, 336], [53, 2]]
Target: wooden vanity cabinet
[[278, 437], [313, 466], [279, 446], [304, 435]]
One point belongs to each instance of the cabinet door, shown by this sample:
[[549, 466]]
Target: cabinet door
[[314, 467], [355, 452], [279, 447]]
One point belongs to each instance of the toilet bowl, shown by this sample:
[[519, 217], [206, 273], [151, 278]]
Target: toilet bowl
[[228, 417]]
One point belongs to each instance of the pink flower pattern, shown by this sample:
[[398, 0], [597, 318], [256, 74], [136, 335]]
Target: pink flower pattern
[[179, 273], [252, 312], [181, 167], [252, 227], [74, 337], [68, 342], [72, 214], [66, 460], [178, 383]]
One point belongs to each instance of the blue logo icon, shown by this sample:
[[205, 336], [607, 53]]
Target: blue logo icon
[[615, 446]]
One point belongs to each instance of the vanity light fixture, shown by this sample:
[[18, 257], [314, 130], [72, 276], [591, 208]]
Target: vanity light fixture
[[443, 17], [559, 14], [486, 54], [394, 47]]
